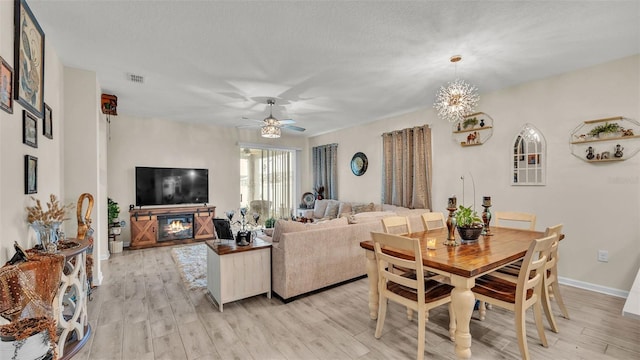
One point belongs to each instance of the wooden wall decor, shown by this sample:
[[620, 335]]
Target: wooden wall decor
[[109, 104]]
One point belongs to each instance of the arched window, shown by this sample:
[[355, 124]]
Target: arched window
[[529, 157]]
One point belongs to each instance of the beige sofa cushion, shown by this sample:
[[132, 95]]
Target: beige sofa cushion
[[332, 210], [360, 208], [328, 223], [286, 226], [370, 216]]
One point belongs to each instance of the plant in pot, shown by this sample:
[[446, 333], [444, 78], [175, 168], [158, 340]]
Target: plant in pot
[[113, 213], [469, 224], [269, 224]]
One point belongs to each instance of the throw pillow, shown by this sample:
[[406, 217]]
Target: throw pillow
[[285, 226], [332, 210], [345, 208], [319, 208], [360, 208]]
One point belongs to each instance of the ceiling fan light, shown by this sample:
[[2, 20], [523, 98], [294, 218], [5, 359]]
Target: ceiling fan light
[[270, 131]]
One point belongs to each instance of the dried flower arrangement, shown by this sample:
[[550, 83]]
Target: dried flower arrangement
[[54, 212]]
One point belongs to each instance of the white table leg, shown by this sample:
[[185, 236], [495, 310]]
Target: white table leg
[[462, 300], [372, 274]]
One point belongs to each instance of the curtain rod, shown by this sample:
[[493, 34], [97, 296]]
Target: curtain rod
[[399, 131]]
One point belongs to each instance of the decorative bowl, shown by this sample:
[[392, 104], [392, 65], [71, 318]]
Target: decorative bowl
[[470, 233]]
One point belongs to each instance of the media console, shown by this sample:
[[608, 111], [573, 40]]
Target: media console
[[171, 225]]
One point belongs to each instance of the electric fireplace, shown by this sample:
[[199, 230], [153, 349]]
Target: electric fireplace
[[175, 227]]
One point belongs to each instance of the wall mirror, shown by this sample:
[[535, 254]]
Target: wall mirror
[[528, 157]]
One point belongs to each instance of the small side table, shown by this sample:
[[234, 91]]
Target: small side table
[[238, 272]]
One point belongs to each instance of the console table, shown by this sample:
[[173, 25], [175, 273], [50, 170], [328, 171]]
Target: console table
[[145, 226], [238, 272], [70, 303]]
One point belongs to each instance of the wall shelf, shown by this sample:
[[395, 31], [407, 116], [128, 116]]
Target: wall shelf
[[479, 129], [474, 129], [624, 143], [609, 139]]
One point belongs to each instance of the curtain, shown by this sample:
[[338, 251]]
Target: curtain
[[407, 167], [325, 169]]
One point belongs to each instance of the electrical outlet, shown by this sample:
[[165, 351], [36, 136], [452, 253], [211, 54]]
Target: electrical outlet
[[603, 256]]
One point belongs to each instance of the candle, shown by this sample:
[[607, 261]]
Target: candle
[[452, 202], [431, 243], [486, 201]]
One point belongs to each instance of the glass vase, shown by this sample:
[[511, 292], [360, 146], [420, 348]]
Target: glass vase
[[47, 235]]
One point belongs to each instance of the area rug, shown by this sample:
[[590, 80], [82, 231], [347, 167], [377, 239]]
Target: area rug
[[192, 263]]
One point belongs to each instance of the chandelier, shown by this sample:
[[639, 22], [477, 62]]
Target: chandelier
[[457, 99], [271, 129]]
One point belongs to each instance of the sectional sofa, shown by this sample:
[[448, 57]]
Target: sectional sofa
[[309, 257]]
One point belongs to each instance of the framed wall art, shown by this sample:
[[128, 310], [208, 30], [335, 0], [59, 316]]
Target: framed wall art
[[29, 129], [47, 122], [6, 86], [28, 59], [30, 174]]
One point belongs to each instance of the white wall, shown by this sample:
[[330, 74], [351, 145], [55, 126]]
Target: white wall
[[84, 134], [161, 143], [599, 204], [12, 198]]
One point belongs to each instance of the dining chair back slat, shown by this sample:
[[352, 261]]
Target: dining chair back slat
[[519, 220], [433, 220], [398, 225]]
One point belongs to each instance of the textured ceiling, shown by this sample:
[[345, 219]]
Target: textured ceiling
[[329, 64]]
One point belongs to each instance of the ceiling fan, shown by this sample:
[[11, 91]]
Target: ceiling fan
[[270, 126]]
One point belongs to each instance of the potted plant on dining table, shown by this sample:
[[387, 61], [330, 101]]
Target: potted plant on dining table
[[469, 224]]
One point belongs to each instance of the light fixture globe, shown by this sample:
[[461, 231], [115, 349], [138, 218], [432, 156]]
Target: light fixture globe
[[457, 99], [270, 131]]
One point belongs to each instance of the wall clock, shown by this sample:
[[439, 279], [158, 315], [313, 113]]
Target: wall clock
[[359, 164]]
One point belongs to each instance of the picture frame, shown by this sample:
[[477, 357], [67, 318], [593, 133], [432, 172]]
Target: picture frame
[[533, 159], [29, 129], [30, 174], [47, 122], [28, 59], [6, 86]]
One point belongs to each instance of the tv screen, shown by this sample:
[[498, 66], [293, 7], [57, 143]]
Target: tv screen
[[169, 186]]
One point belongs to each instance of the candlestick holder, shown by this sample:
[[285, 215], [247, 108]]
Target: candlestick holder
[[486, 219], [451, 227]]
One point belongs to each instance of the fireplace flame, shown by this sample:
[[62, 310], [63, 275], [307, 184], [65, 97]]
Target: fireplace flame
[[176, 226]]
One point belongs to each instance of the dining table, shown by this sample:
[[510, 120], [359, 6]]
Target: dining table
[[462, 264]]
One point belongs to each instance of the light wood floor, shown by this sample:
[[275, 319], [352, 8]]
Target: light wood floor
[[142, 311]]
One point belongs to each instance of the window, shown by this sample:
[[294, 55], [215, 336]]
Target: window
[[529, 157], [267, 179]]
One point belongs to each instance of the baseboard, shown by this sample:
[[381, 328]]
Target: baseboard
[[593, 287]]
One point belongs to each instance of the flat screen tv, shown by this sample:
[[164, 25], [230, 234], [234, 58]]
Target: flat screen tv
[[170, 186]]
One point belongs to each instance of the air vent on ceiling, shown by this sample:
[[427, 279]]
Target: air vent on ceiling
[[135, 78]]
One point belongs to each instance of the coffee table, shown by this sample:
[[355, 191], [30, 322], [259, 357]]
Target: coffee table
[[237, 272]]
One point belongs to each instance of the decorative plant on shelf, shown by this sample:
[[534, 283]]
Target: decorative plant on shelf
[[605, 128], [470, 122], [468, 222]]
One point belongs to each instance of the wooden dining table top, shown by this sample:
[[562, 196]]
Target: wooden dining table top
[[469, 260]]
